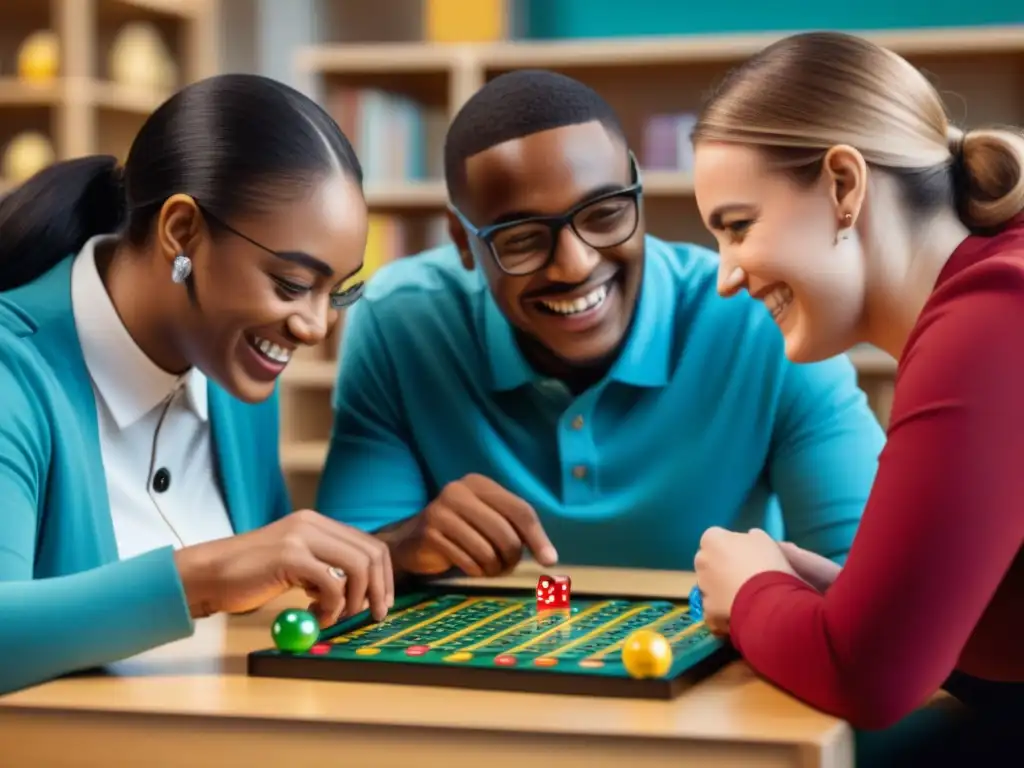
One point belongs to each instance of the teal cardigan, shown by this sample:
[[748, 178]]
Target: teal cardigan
[[66, 602]]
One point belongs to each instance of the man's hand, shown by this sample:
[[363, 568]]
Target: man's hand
[[474, 525]]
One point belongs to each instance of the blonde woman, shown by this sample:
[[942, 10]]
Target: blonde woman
[[840, 195]]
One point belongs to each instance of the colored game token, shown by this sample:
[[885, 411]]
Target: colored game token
[[696, 604], [646, 654], [295, 631]]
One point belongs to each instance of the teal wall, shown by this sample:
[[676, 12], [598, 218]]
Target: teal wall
[[625, 18]]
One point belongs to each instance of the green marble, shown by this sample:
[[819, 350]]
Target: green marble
[[295, 631]]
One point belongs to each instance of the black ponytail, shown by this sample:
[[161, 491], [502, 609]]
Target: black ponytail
[[52, 214], [236, 143]]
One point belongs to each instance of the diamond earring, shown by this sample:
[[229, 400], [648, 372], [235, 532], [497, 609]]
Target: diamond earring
[[181, 268]]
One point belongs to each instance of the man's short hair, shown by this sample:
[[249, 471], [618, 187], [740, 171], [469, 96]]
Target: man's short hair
[[517, 104]]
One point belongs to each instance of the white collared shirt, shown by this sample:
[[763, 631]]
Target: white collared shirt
[[154, 430]]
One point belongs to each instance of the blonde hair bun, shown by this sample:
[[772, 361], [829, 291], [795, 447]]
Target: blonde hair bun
[[809, 92]]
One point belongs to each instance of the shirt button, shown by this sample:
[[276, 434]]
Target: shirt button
[[161, 480], [577, 423], [579, 472]]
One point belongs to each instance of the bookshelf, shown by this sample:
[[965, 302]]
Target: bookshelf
[[85, 99], [655, 84]]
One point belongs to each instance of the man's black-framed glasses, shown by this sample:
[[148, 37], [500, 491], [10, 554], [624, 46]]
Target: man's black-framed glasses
[[341, 299], [525, 246]]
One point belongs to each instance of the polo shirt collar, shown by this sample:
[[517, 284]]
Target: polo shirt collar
[[130, 384], [643, 362]]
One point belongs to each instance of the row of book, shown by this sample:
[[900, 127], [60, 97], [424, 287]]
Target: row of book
[[666, 143], [395, 137], [393, 237], [398, 139]]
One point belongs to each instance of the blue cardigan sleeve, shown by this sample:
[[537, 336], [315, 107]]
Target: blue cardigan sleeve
[[55, 626], [372, 476], [824, 455]]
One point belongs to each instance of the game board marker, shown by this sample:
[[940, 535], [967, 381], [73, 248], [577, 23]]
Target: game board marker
[[477, 624], [599, 629], [427, 622], [561, 626], [660, 621], [688, 631], [390, 619], [491, 638]]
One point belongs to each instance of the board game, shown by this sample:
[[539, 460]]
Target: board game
[[503, 639]]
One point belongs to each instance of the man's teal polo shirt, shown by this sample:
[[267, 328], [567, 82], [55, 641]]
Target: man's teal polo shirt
[[702, 421]]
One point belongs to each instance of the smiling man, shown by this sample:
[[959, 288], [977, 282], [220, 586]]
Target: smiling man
[[560, 382]]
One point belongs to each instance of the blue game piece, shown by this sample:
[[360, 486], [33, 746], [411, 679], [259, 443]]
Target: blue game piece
[[696, 604]]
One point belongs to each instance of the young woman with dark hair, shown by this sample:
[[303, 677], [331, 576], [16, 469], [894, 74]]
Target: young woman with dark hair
[[146, 315]]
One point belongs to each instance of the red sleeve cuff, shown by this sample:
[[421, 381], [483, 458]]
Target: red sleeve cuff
[[756, 601]]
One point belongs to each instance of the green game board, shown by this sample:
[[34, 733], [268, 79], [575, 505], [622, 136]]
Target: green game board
[[495, 638]]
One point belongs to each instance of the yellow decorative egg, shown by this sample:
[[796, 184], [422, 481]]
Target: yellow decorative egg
[[138, 57], [646, 654], [26, 155], [39, 56]]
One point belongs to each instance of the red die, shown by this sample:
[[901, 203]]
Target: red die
[[553, 592]]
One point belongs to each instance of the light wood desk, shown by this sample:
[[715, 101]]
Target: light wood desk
[[191, 704]]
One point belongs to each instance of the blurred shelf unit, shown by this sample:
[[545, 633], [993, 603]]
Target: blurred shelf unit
[[394, 101], [79, 77]]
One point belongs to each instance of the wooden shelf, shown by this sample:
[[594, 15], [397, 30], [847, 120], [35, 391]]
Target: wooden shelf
[[408, 194], [125, 98], [306, 458], [16, 93], [872, 362], [310, 373], [84, 111], [415, 195], [182, 9], [626, 52]]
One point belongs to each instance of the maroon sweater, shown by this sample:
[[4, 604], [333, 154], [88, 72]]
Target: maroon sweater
[[934, 580]]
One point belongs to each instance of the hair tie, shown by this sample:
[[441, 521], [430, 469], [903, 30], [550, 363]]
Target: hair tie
[[956, 139]]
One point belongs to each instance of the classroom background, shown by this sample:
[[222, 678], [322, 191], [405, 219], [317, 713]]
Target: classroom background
[[80, 76]]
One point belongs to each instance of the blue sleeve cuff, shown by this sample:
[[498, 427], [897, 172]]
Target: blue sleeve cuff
[[52, 627]]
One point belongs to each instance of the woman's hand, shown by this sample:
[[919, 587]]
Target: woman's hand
[[725, 562], [816, 570], [342, 569]]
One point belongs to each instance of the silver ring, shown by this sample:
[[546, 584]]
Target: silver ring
[[336, 572]]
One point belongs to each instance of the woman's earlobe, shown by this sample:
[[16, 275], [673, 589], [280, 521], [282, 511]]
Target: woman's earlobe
[[845, 227], [848, 172]]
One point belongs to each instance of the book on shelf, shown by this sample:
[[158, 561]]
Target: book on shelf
[[396, 138], [465, 21], [666, 142]]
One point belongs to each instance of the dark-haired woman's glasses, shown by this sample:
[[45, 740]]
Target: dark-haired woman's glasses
[[340, 299], [346, 297], [527, 245]]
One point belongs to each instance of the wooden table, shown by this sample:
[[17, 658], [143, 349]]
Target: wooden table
[[191, 704]]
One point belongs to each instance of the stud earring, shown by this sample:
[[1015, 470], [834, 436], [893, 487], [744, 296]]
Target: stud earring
[[844, 231], [181, 268]]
